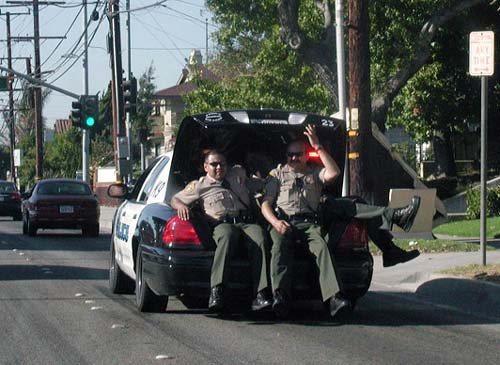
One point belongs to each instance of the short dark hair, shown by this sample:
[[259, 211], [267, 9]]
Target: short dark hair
[[297, 141], [209, 152]]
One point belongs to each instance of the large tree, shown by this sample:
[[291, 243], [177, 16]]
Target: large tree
[[409, 41]]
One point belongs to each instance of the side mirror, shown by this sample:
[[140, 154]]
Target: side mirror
[[117, 190]]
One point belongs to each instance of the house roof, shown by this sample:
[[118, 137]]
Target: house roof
[[183, 86], [177, 90], [62, 125]]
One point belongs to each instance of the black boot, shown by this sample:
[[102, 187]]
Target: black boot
[[281, 304], [338, 304], [216, 302], [262, 300], [405, 216], [396, 256]]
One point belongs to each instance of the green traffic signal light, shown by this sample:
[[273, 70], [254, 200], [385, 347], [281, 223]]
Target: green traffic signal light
[[90, 121]]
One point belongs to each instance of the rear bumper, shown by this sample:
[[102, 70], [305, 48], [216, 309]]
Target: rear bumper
[[66, 222], [174, 272]]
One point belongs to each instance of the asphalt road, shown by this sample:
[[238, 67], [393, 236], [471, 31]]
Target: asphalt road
[[55, 308]]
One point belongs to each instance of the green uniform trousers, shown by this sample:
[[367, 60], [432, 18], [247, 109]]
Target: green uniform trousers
[[282, 255], [227, 237]]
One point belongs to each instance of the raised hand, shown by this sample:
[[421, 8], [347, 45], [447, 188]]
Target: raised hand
[[310, 132]]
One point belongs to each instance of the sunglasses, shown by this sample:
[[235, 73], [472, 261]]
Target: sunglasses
[[295, 154], [217, 163]]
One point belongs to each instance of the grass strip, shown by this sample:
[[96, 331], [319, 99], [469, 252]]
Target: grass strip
[[489, 272]]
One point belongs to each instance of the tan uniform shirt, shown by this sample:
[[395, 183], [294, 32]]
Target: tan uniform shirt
[[217, 201], [295, 193]]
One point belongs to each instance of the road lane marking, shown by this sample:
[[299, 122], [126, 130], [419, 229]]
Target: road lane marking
[[164, 357]]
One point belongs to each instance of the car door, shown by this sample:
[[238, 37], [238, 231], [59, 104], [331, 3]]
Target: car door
[[129, 211]]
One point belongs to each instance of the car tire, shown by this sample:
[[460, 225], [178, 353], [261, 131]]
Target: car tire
[[91, 230], [119, 282], [31, 228], [25, 226], [146, 299]]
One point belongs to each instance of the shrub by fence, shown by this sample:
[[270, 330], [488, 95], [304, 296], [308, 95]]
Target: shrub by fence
[[474, 203]]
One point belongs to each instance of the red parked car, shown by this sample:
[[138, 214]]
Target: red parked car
[[61, 203]]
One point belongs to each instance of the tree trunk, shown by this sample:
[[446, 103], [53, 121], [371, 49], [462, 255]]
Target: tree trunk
[[443, 155]]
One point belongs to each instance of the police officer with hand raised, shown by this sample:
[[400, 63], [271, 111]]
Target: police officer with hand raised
[[291, 204]]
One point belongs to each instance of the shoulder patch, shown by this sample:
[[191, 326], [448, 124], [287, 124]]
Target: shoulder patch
[[273, 173], [190, 187]]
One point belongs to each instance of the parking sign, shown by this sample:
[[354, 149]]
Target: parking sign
[[481, 53]]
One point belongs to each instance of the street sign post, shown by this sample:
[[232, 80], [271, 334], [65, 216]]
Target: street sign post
[[481, 53], [481, 63]]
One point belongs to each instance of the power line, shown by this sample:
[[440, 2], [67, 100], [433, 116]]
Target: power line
[[65, 34], [146, 27]]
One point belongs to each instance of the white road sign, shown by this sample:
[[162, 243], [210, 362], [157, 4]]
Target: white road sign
[[18, 157], [481, 53]]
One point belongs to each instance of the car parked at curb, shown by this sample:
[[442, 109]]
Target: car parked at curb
[[61, 203], [158, 255], [10, 200]]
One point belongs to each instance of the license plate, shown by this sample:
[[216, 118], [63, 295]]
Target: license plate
[[66, 209]]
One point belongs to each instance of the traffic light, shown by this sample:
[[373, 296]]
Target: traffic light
[[85, 111], [76, 114], [90, 112], [130, 95]]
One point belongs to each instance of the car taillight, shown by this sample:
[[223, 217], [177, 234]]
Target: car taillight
[[15, 196], [179, 232], [354, 237]]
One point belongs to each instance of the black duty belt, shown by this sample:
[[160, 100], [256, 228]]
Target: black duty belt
[[305, 217], [242, 218]]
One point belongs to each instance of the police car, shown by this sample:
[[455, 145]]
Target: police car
[[157, 255]]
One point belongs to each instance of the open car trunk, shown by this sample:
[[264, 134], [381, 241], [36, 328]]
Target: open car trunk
[[255, 139]]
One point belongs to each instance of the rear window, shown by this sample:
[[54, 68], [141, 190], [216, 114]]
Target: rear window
[[64, 188], [7, 187]]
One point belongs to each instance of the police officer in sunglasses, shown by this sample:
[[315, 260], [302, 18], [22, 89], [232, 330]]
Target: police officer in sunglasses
[[225, 201], [294, 189]]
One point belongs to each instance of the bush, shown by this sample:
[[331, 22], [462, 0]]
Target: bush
[[474, 203]]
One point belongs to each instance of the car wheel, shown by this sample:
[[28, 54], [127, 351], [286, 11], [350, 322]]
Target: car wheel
[[31, 228], [90, 230], [146, 300], [119, 283], [25, 226]]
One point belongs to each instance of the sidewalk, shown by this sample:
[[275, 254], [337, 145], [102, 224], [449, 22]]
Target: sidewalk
[[420, 276]]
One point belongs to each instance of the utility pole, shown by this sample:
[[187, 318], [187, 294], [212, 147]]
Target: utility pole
[[206, 41], [339, 36], [38, 96], [359, 132], [37, 89], [85, 132], [11, 105], [119, 127], [129, 65]]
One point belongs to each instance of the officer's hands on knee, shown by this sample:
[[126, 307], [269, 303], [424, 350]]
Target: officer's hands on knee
[[282, 227]]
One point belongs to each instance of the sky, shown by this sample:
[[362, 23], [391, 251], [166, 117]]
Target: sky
[[163, 33]]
